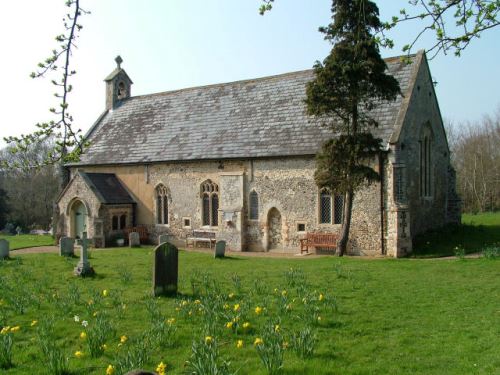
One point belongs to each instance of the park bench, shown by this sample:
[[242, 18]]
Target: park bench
[[203, 236], [141, 229], [319, 240]]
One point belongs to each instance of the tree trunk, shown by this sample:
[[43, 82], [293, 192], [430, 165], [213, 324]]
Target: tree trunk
[[346, 225]]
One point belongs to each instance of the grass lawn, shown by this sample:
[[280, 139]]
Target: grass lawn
[[406, 316], [27, 240], [476, 233]]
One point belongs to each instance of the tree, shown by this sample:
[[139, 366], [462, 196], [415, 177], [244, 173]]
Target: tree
[[69, 142], [468, 18], [347, 86]]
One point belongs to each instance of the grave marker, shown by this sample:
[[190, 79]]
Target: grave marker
[[134, 239], [165, 269], [67, 246], [4, 249], [220, 249], [83, 267]]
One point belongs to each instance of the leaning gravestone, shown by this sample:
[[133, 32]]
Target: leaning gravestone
[[162, 238], [83, 267], [67, 246], [165, 269], [220, 249], [134, 239], [4, 249]]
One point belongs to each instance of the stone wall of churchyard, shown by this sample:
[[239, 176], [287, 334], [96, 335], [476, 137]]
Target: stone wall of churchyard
[[424, 210], [78, 190], [284, 184]]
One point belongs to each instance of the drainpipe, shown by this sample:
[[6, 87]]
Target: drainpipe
[[381, 172]]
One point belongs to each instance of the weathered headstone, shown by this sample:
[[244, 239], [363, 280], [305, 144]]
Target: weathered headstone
[[162, 238], [67, 246], [165, 269], [83, 267], [134, 239], [220, 249], [4, 249]]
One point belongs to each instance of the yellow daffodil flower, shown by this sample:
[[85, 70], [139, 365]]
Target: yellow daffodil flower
[[277, 328], [239, 344], [15, 328], [78, 354], [110, 370], [229, 325], [246, 325], [34, 323], [236, 307], [208, 339], [321, 297], [161, 368], [258, 310], [83, 335], [258, 341], [123, 339], [105, 293]]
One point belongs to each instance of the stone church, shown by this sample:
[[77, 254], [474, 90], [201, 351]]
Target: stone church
[[238, 159]]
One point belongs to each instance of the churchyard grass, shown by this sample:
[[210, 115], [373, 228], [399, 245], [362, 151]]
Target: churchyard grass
[[27, 240], [477, 234], [360, 316]]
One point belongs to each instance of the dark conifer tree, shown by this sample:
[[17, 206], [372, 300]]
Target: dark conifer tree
[[348, 85]]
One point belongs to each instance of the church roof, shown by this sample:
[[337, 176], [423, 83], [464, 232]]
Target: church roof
[[107, 187], [256, 118]]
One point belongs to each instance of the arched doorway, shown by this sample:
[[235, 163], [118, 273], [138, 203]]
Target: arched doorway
[[274, 229], [78, 219]]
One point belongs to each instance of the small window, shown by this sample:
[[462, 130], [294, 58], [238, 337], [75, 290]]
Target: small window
[[325, 207], [114, 223], [187, 222], [338, 211], [399, 184], [301, 227], [254, 205], [123, 221]]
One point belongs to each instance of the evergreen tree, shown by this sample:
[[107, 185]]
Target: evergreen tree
[[348, 85]]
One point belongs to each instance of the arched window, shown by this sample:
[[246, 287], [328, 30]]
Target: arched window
[[327, 213], [161, 204], [210, 203], [254, 205], [122, 91]]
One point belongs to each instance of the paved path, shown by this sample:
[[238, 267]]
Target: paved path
[[271, 254]]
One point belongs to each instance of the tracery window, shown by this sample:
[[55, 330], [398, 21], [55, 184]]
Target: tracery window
[[161, 204], [399, 184], [210, 203], [254, 205], [425, 167]]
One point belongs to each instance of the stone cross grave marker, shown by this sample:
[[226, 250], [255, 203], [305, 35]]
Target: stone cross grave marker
[[165, 270], [134, 239], [83, 267], [220, 249], [4, 249], [67, 246], [162, 238]]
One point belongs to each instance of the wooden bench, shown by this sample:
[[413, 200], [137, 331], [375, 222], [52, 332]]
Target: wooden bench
[[141, 229], [201, 236], [325, 240]]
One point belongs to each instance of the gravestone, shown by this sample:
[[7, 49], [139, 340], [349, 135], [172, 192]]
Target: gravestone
[[67, 246], [83, 267], [4, 249], [162, 238], [134, 239], [220, 249], [165, 269]]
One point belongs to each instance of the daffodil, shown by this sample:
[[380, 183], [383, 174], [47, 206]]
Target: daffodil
[[95, 313], [123, 339], [284, 293], [105, 293], [208, 340], [231, 295], [229, 325], [246, 325], [34, 323], [239, 344], [83, 335], [110, 370], [85, 323], [319, 318], [104, 347], [258, 310], [277, 328], [78, 354], [15, 328], [321, 297], [226, 306], [5, 330], [197, 301], [236, 307], [258, 341], [170, 321], [76, 318], [161, 368]]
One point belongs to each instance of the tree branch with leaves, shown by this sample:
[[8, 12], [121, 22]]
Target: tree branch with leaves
[[69, 142]]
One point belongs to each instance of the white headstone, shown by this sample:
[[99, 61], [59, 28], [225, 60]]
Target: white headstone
[[220, 249], [4, 249], [83, 267], [134, 239]]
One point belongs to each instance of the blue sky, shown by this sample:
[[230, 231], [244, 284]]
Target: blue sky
[[172, 44]]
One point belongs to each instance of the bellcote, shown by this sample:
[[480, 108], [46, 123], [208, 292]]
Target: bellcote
[[118, 85]]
